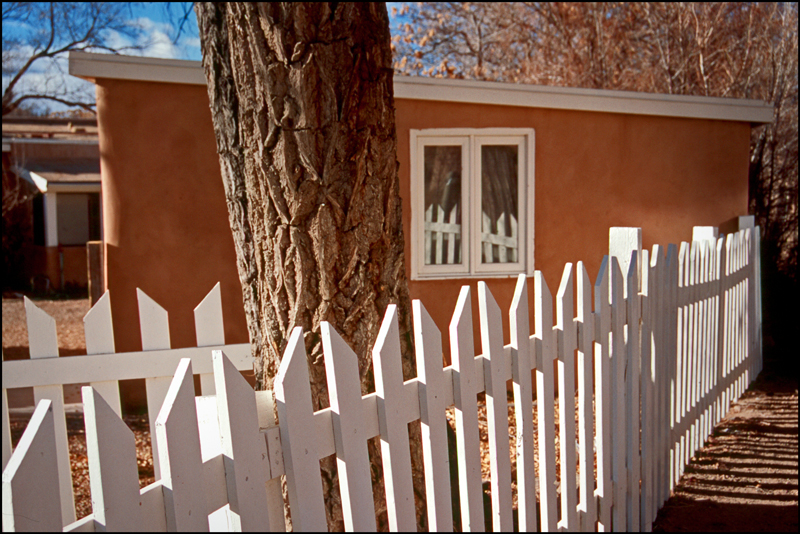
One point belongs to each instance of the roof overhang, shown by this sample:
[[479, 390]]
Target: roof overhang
[[66, 177], [96, 66]]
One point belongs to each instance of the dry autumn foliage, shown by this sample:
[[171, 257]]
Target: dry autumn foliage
[[734, 50]]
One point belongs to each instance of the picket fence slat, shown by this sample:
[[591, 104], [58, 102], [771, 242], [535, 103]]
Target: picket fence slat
[[43, 344], [386, 358], [6, 429], [181, 463], [545, 354], [496, 409], [31, 496], [465, 390], [152, 517], [209, 330], [618, 398], [268, 427], [633, 403], [670, 325], [660, 360], [113, 473], [243, 447], [523, 397], [216, 494], [584, 321], [350, 435], [154, 325], [299, 437], [646, 390], [566, 399], [602, 313], [99, 334], [430, 375]]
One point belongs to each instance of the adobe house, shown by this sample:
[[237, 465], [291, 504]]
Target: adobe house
[[496, 179], [54, 166]]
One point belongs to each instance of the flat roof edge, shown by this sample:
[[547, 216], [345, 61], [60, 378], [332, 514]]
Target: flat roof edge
[[93, 66]]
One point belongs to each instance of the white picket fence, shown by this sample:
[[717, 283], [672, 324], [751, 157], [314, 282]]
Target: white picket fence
[[660, 364], [102, 368], [443, 237]]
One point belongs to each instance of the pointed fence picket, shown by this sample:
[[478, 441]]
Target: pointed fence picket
[[545, 354], [102, 368], [496, 408], [661, 361], [43, 344], [521, 366], [567, 343], [467, 378], [31, 492]]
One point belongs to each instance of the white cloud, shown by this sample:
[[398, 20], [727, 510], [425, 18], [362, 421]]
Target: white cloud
[[51, 76], [154, 41]]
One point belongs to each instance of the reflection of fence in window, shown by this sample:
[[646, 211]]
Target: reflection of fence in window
[[442, 236], [499, 246]]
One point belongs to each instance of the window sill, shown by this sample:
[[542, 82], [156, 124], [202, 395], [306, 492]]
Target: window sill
[[462, 276]]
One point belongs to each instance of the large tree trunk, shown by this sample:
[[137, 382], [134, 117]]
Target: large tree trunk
[[302, 103]]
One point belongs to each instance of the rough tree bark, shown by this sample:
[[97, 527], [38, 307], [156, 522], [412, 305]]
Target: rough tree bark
[[302, 103]]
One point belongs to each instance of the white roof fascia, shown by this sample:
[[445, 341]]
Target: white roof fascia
[[40, 141], [39, 181], [571, 98], [76, 187], [146, 69], [92, 66]]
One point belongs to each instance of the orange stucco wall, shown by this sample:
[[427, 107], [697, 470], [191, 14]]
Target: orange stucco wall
[[593, 171], [165, 220], [166, 225]]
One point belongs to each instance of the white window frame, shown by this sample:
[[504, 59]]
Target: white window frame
[[471, 139]]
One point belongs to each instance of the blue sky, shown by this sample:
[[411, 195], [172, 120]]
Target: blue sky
[[159, 30]]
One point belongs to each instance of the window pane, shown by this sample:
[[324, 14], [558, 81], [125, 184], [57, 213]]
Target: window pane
[[499, 204], [442, 205]]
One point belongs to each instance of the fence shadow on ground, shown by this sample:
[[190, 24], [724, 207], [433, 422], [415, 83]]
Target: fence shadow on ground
[[746, 478]]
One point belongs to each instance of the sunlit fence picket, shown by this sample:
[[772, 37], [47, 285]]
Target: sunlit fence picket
[[31, 493], [43, 344], [658, 364]]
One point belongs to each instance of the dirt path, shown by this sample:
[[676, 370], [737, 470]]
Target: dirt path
[[745, 479]]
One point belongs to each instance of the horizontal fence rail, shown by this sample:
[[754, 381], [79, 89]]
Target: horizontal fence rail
[[662, 343], [102, 368]]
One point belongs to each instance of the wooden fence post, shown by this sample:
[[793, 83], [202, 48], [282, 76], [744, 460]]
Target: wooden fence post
[[95, 267]]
